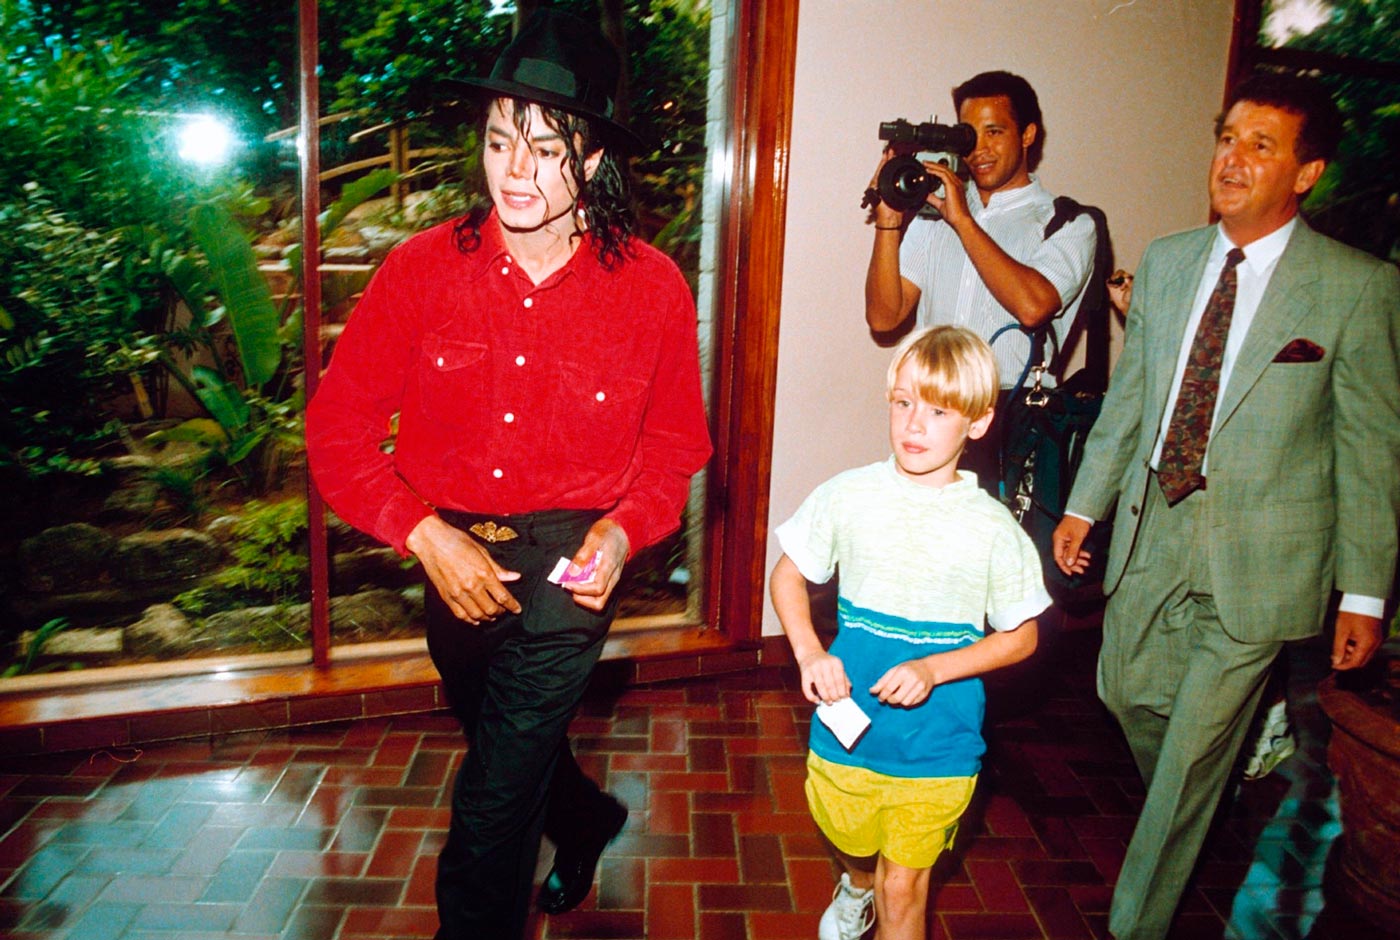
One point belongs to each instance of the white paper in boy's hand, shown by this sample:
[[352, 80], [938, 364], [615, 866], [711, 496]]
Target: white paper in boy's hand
[[845, 719], [562, 575]]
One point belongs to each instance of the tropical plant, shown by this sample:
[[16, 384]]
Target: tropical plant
[[254, 403], [269, 549], [35, 647], [62, 313]]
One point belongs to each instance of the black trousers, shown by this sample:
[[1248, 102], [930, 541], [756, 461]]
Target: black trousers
[[514, 683]]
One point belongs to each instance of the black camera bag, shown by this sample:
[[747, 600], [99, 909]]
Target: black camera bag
[[1043, 432]]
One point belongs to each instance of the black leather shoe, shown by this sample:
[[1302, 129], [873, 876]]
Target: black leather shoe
[[571, 878]]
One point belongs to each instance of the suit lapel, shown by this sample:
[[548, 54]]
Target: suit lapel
[[1183, 277], [1287, 299]]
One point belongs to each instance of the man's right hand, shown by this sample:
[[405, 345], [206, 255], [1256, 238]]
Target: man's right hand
[[885, 217], [1066, 542], [464, 573]]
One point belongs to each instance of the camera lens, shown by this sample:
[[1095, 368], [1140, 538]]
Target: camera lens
[[904, 184]]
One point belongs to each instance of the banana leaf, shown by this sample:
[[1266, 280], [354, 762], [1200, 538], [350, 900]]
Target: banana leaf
[[234, 272], [223, 399]]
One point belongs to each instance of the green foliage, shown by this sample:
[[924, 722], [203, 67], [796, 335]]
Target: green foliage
[[254, 422], [395, 62], [183, 485], [66, 291], [235, 278], [35, 648], [1358, 198], [271, 562]]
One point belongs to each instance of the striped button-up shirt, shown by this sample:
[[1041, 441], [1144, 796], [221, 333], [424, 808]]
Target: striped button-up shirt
[[951, 291]]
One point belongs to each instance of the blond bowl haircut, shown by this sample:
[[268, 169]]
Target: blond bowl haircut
[[953, 368]]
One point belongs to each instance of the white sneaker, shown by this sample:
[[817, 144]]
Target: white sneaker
[[1275, 745], [851, 913]]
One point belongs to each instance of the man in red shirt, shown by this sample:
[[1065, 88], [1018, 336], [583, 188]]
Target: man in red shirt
[[542, 363]]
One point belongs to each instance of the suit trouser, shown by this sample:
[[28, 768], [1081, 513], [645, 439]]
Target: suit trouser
[[514, 683], [1184, 692]]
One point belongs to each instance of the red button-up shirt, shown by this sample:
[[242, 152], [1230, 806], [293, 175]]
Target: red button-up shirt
[[582, 392]]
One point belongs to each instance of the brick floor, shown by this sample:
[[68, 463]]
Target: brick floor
[[331, 832]]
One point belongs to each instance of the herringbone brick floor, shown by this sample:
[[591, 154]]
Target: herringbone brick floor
[[331, 833]]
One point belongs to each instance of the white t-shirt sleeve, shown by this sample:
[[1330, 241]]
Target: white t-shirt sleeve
[[1015, 583], [808, 538]]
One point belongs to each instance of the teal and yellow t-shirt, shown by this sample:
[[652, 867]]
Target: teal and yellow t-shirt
[[921, 569]]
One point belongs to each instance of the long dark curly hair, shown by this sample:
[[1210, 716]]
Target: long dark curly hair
[[605, 200]]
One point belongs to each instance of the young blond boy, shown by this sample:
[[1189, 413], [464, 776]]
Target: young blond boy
[[925, 559]]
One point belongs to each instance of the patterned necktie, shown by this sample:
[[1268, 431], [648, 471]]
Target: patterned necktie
[[1184, 451]]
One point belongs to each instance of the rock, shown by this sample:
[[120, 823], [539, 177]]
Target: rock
[[221, 529], [163, 628], [136, 500], [70, 557], [369, 615], [76, 641], [165, 555], [268, 628]]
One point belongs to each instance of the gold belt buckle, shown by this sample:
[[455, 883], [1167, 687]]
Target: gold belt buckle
[[493, 533]]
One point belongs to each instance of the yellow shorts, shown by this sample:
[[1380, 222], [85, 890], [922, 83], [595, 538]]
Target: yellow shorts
[[910, 821]]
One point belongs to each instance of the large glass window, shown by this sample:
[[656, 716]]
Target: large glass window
[[151, 305]]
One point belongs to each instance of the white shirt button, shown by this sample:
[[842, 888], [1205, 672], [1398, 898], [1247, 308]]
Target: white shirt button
[[520, 360], [510, 416], [529, 302], [505, 270], [497, 473], [439, 362], [600, 396]]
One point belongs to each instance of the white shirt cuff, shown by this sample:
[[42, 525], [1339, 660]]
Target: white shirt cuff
[[1361, 604]]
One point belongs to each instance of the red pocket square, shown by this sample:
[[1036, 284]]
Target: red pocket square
[[1300, 350]]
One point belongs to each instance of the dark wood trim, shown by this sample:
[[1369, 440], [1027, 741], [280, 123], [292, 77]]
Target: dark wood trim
[[746, 348], [1307, 60], [1244, 41], [310, 140]]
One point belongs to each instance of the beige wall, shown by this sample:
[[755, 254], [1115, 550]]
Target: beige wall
[[1128, 90]]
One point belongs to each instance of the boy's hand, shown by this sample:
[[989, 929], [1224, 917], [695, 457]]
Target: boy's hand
[[823, 678], [907, 684]]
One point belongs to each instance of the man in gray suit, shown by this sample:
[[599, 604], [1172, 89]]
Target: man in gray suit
[[1250, 439]]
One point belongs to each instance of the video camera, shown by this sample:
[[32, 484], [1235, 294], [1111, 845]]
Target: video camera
[[903, 183]]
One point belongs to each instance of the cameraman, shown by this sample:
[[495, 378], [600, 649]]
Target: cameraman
[[987, 262]]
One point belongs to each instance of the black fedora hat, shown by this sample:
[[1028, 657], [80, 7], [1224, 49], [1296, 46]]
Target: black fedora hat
[[560, 61]]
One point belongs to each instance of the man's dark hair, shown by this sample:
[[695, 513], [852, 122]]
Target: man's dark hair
[[605, 200], [1321, 129], [1025, 106]]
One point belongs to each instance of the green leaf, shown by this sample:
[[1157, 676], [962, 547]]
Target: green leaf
[[189, 280], [243, 446], [194, 431], [366, 187], [244, 291], [222, 398]]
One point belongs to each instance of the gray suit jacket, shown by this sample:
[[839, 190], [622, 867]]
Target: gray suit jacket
[[1304, 461]]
